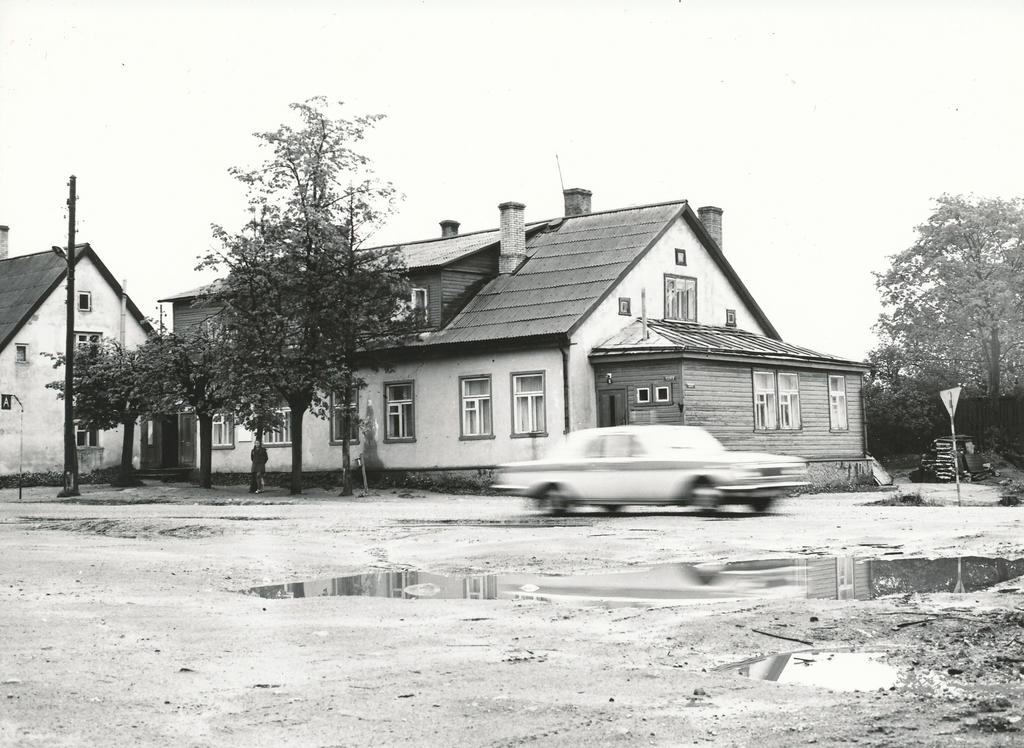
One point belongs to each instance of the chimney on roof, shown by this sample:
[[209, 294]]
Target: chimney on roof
[[513, 237], [3, 242], [449, 228], [577, 201], [711, 217]]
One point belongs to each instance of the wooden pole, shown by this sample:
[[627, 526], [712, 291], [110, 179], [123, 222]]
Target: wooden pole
[[70, 444]]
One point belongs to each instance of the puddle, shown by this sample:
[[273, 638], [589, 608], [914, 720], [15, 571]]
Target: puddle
[[838, 671], [834, 577]]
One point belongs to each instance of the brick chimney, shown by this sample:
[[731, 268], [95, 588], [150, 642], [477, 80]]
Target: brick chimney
[[513, 237], [711, 217], [577, 201], [3, 242], [449, 228]]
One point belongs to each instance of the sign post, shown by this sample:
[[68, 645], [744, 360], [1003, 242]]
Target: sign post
[[5, 404], [950, 398]]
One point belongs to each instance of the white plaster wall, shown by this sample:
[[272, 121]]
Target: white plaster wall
[[714, 295], [437, 419], [43, 438]]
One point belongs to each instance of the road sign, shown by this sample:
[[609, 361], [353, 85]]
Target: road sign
[[5, 402], [950, 398]]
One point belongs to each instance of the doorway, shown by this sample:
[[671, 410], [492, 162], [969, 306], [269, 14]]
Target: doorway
[[611, 407]]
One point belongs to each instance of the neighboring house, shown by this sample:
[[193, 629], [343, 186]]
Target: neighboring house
[[32, 323], [536, 329]]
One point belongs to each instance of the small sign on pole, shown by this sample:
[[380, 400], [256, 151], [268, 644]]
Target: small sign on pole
[[950, 398], [5, 401]]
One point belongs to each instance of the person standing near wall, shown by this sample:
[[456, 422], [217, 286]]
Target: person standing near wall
[[259, 467]]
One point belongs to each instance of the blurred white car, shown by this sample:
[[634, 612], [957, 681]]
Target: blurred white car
[[651, 465]]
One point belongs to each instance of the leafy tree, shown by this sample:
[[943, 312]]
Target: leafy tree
[[186, 371], [903, 410], [108, 393], [954, 299], [304, 299]]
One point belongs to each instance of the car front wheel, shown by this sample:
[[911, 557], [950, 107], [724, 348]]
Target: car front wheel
[[556, 499], [760, 505]]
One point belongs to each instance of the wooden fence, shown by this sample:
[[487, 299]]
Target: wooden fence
[[978, 416]]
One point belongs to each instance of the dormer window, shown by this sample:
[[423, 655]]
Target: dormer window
[[419, 303]]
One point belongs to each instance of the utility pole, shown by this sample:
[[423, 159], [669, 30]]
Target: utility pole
[[70, 443]]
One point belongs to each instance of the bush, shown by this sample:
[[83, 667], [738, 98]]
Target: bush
[[55, 478]]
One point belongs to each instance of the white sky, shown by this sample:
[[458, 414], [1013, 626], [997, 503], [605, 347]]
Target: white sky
[[822, 129]]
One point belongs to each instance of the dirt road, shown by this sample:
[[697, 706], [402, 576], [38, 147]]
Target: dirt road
[[123, 623]]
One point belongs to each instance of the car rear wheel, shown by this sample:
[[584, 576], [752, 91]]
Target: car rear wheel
[[760, 505]]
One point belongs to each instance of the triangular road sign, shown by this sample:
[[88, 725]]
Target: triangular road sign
[[950, 398]]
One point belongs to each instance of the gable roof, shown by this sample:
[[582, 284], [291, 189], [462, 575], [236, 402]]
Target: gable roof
[[672, 336], [27, 280], [572, 264]]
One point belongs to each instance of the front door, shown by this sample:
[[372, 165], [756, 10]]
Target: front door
[[611, 408], [186, 439]]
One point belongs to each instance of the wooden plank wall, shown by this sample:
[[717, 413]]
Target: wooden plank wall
[[719, 397], [647, 374]]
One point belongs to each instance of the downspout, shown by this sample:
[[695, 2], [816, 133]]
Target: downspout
[[863, 416], [124, 308], [564, 350]]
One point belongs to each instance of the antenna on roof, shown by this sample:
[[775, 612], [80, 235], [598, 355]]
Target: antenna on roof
[[559, 165]]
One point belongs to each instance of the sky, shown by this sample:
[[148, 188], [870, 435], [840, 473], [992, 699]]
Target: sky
[[823, 130]]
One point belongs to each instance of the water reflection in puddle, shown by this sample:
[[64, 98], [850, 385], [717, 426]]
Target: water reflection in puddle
[[834, 577], [839, 671]]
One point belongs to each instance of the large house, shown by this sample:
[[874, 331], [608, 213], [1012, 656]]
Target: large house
[[33, 319], [538, 328]]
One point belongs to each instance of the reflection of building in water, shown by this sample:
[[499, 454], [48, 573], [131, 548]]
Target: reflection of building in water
[[832, 577]]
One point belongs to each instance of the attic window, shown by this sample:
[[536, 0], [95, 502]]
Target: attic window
[[85, 301], [624, 306], [419, 303], [730, 318], [21, 353], [680, 256]]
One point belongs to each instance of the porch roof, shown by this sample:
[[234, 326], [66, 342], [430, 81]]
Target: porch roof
[[673, 336]]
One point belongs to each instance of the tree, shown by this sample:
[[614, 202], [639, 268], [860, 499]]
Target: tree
[[304, 298], [186, 371], [954, 299], [109, 393]]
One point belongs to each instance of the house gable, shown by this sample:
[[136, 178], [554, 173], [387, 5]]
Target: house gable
[[27, 281]]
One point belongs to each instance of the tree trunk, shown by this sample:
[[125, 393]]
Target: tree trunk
[[126, 472], [346, 431], [205, 449], [295, 419], [995, 354]]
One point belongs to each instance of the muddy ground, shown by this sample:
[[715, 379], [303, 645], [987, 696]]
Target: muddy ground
[[123, 622]]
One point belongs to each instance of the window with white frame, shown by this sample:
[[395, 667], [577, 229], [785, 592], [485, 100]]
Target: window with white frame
[[680, 298], [837, 402], [643, 395], [223, 430], [419, 303], [85, 339], [281, 434], [663, 393], [476, 406], [789, 400], [776, 400], [338, 423], [528, 403], [85, 301], [86, 437], [21, 353], [398, 404], [765, 404]]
